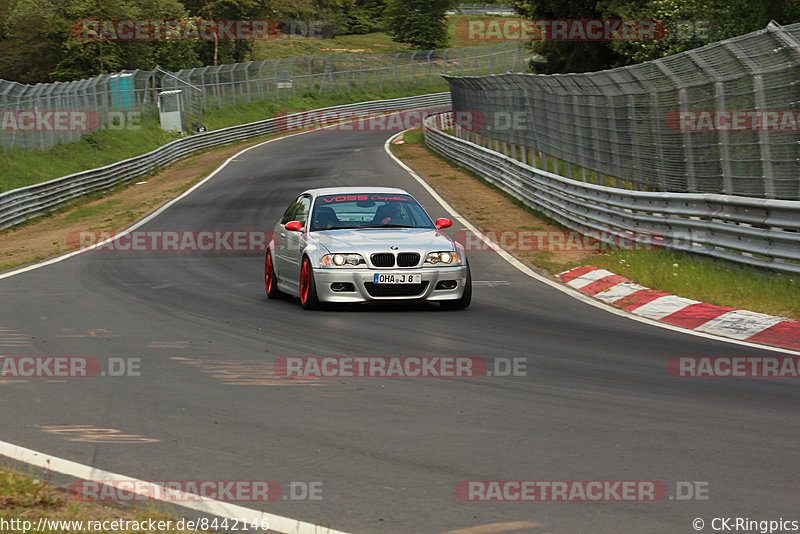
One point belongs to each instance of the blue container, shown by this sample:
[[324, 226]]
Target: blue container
[[123, 95]]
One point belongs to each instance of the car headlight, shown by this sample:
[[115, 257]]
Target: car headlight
[[446, 257], [342, 260]]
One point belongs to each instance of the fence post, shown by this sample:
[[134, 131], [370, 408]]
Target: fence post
[[722, 135], [688, 153], [761, 104]]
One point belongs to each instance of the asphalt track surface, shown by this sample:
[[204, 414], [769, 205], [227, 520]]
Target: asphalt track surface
[[596, 404]]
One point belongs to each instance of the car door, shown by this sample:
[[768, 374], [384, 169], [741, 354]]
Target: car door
[[295, 242], [279, 254]]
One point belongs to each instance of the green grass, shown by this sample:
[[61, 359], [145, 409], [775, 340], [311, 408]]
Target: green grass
[[244, 113], [715, 281], [24, 496], [25, 167], [414, 136], [103, 147], [89, 211], [691, 276], [369, 43], [24, 491]]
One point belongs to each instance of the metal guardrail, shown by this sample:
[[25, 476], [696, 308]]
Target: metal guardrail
[[20, 205], [746, 230], [483, 9], [646, 123], [110, 98]]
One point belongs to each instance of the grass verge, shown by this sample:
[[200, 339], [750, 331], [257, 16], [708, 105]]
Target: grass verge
[[531, 237], [25, 167], [57, 233], [244, 113], [378, 42], [25, 497], [489, 208]]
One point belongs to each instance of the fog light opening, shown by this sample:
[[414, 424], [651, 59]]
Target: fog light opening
[[342, 286], [446, 284]]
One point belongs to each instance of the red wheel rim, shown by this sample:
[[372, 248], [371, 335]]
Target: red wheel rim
[[304, 281], [268, 271]]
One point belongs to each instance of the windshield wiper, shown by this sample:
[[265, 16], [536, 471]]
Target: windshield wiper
[[388, 226]]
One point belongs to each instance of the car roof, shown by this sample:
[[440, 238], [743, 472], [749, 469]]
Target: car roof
[[354, 190]]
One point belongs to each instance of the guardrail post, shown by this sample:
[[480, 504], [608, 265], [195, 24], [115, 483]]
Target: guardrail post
[[721, 226]]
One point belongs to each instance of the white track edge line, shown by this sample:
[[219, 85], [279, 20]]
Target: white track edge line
[[557, 285], [277, 523], [77, 470], [29, 456], [148, 217]]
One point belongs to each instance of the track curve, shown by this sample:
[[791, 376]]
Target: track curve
[[597, 403]]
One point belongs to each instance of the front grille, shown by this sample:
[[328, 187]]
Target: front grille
[[395, 290], [407, 259], [382, 259]]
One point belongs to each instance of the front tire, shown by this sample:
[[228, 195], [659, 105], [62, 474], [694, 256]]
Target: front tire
[[270, 279], [308, 289], [466, 297]]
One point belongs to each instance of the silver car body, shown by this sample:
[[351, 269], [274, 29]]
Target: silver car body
[[437, 282]]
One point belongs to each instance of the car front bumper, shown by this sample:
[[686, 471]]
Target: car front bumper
[[362, 288]]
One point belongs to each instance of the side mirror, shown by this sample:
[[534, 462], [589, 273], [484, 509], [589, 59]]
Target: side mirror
[[443, 223], [294, 226]]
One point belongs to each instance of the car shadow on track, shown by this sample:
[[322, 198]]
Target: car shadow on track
[[377, 307]]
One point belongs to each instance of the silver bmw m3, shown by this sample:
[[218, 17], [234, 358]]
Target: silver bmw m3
[[363, 244]]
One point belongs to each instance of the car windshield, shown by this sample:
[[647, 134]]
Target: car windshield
[[368, 210]]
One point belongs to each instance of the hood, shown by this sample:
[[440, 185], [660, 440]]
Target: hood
[[369, 240]]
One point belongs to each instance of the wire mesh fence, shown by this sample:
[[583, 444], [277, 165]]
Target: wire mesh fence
[[724, 118], [43, 115], [483, 9], [22, 204], [748, 231], [40, 116], [227, 85]]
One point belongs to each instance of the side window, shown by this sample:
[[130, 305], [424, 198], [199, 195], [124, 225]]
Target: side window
[[297, 210], [303, 206], [287, 215]]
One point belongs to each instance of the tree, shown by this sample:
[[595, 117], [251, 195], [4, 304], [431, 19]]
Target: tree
[[687, 24], [365, 16], [38, 45], [693, 23], [217, 52], [566, 56], [420, 23]]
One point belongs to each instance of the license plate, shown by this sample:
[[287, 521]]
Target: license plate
[[397, 278]]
